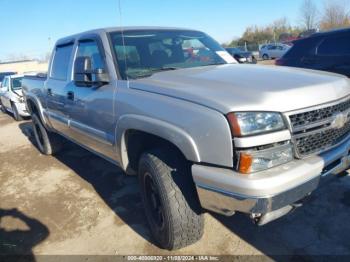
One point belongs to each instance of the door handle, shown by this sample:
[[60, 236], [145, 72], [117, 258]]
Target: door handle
[[49, 92], [70, 95]]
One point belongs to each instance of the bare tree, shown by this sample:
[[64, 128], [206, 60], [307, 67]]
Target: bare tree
[[336, 14], [308, 15], [17, 57]]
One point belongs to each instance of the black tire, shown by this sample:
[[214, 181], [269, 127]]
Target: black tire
[[265, 57], [2, 108], [15, 113], [170, 199], [48, 143]]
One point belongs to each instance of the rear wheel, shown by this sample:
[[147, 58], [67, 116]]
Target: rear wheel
[[171, 203], [48, 143], [15, 113]]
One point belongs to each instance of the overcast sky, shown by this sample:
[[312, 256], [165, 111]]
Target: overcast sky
[[27, 25]]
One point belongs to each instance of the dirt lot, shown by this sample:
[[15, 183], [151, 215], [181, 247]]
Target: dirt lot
[[266, 62], [77, 203]]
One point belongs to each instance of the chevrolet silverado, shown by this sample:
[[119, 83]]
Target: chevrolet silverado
[[201, 131]]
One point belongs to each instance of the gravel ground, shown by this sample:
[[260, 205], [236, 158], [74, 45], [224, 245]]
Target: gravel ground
[[77, 203]]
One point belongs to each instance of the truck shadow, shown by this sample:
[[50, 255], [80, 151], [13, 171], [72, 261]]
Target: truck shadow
[[320, 227], [119, 191], [17, 244]]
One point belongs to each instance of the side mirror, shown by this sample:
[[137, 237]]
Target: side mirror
[[82, 70], [84, 75]]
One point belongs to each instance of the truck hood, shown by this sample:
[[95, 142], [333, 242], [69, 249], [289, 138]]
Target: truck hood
[[18, 92], [234, 87]]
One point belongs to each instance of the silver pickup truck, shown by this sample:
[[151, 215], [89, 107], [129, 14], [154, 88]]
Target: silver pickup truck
[[201, 131]]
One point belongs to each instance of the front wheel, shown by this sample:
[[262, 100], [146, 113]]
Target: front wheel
[[171, 203], [48, 143]]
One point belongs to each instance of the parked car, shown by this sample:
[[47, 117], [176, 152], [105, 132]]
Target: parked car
[[328, 51], [11, 97], [3, 74], [273, 51], [201, 131], [242, 57]]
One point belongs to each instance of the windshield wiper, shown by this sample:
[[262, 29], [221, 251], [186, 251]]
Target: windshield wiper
[[155, 70], [151, 71]]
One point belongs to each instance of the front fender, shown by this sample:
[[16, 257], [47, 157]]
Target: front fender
[[162, 129]]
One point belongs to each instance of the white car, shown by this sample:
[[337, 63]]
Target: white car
[[272, 51], [11, 97]]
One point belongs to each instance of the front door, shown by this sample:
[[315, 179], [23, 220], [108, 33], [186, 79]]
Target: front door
[[90, 108], [57, 87]]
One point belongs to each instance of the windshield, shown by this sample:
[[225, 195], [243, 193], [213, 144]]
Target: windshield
[[143, 53], [16, 83]]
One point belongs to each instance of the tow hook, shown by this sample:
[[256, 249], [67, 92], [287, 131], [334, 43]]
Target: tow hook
[[263, 219]]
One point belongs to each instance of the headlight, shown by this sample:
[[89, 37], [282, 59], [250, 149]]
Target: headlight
[[259, 160], [252, 123]]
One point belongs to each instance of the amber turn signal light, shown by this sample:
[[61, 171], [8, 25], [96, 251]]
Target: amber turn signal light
[[235, 129], [245, 163]]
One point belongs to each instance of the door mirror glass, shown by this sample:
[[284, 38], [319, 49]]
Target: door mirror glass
[[90, 64], [84, 75], [82, 70]]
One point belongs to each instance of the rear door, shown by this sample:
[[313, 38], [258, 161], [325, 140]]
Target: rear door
[[333, 54], [90, 108], [58, 85]]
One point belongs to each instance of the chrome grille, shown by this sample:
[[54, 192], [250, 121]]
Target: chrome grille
[[317, 130], [314, 116]]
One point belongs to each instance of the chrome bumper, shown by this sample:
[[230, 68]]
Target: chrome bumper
[[225, 191], [22, 109]]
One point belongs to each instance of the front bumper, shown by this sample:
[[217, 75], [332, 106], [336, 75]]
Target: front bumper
[[22, 109], [225, 191]]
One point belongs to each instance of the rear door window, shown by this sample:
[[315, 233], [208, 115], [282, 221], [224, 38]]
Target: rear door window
[[335, 46], [61, 61]]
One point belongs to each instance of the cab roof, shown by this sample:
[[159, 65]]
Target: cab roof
[[101, 31]]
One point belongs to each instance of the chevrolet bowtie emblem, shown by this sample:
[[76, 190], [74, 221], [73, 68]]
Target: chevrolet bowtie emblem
[[339, 120]]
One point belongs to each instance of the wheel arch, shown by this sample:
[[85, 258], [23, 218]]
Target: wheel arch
[[34, 107], [135, 134]]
